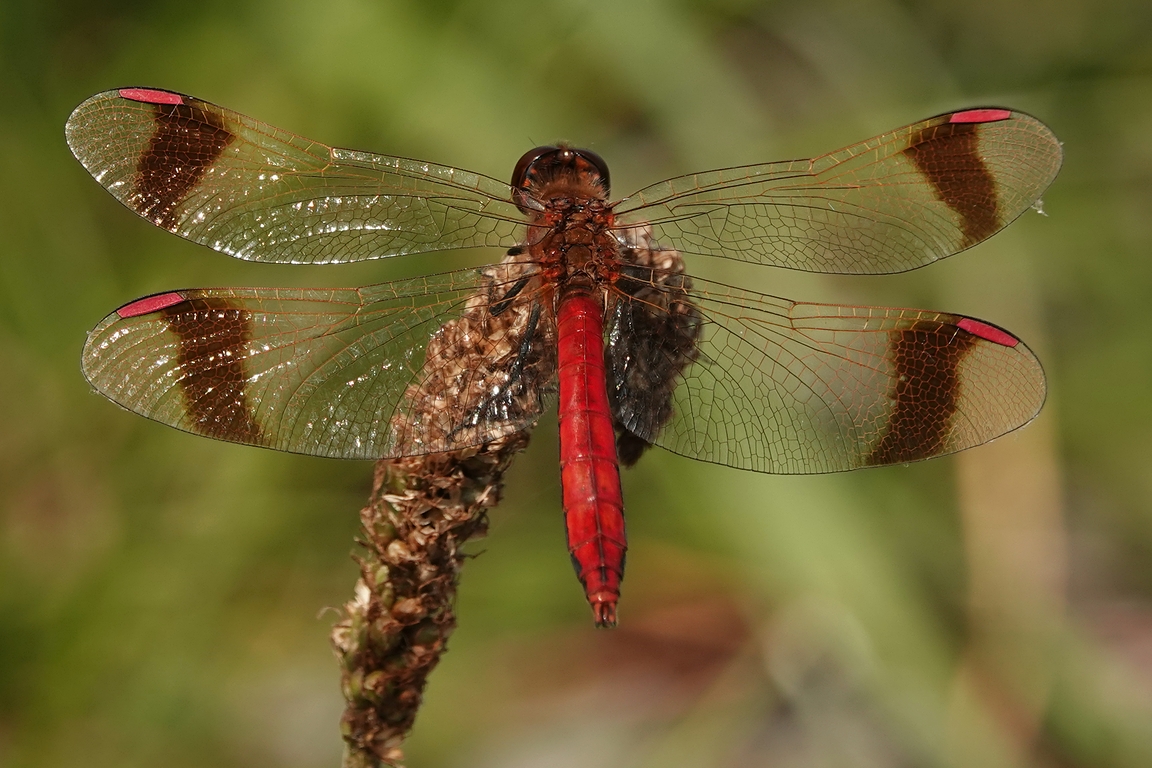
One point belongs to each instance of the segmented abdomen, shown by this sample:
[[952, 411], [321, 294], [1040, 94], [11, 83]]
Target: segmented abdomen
[[589, 472]]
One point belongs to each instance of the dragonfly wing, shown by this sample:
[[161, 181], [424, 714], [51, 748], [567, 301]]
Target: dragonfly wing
[[403, 368], [256, 192], [777, 386], [889, 204]]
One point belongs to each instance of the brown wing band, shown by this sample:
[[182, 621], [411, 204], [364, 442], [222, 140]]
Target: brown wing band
[[213, 346], [926, 394], [948, 156], [188, 139]]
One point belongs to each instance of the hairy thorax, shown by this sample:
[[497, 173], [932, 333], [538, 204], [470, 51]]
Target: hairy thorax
[[570, 237]]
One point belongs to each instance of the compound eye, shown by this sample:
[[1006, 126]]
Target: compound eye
[[598, 162], [530, 157]]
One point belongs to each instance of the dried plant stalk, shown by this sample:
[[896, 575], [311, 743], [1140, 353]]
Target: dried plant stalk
[[421, 511]]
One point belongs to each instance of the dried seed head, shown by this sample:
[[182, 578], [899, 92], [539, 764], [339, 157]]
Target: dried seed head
[[422, 510]]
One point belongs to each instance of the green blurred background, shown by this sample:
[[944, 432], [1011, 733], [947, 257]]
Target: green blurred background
[[161, 594]]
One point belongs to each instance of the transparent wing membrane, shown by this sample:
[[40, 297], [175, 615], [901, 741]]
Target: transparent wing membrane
[[410, 367], [889, 204], [785, 387], [256, 192]]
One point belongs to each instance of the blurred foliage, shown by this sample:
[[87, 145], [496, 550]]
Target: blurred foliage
[[159, 592]]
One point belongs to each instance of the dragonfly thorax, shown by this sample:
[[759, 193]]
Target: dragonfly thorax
[[573, 242]]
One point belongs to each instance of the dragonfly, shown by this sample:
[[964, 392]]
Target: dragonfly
[[590, 309]]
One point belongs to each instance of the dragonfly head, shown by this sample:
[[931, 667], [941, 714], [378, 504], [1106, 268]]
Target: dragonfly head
[[548, 172]]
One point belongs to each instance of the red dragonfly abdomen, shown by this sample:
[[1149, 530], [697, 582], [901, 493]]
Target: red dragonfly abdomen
[[589, 471]]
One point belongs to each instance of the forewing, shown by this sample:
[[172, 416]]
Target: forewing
[[889, 204], [791, 388], [404, 368], [256, 192]]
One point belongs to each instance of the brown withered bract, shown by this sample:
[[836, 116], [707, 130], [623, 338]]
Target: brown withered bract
[[651, 342], [395, 628], [490, 332]]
